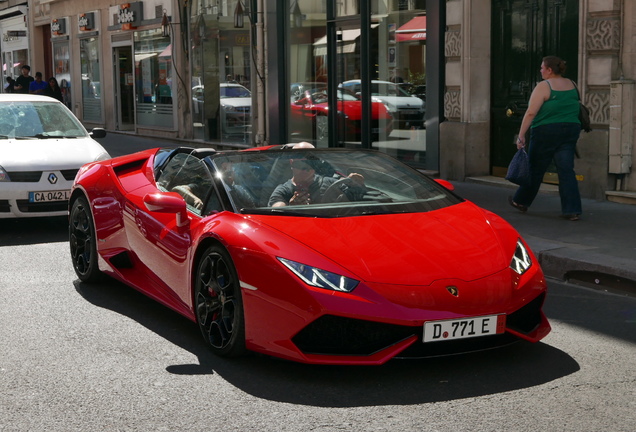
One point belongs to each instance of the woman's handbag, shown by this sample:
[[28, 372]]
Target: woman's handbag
[[584, 117], [519, 168], [584, 113]]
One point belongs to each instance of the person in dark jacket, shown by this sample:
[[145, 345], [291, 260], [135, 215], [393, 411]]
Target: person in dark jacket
[[23, 82], [9, 88], [53, 90]]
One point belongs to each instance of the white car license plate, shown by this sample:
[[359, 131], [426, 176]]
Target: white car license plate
[[50, 196], [463, 328]]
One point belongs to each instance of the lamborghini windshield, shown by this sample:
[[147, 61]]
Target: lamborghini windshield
[[325, 183]]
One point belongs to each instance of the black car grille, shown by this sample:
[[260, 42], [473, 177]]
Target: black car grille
[[69, 174], [528, 318], [35, 176], [333, 335], [4, 206], [25, 176], [28, 207]]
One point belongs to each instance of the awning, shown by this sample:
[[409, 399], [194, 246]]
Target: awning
[[346, 44], [166, 52], [414, 30]]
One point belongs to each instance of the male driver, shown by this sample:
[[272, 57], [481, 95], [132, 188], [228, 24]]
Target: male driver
[[305, 186]]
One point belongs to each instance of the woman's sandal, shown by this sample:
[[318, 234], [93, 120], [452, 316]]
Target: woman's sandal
[[519, 207], [572, 217]]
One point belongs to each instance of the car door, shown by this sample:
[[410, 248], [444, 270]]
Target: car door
[[160, 238]]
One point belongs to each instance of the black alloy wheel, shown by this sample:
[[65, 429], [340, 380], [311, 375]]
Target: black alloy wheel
[[83, 242], [218, 303]]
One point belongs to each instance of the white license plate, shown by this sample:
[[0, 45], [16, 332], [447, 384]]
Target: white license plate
[[463, 328], [62, 195]]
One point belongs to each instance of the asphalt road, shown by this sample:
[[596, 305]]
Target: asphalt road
[[79, 357]]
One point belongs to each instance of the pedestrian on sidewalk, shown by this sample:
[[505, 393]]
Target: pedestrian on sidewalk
[[23, 82], [552, 118], [53, 90], [38, 86]]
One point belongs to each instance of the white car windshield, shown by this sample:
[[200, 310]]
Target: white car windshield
[[235, 92], [25, 119]]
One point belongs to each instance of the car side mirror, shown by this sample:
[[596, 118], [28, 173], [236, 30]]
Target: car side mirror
[[445, 183], [168, 202], [97, 133]]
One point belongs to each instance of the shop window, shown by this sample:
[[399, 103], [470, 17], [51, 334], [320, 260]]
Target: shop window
[[153, 79], [221, 82], [91, 80], [62, 71]]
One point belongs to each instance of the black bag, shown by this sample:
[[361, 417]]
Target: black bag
[[519, 168], [584, 113], [584, 117]]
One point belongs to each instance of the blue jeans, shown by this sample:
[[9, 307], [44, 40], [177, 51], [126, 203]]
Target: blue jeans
[[553, 141]]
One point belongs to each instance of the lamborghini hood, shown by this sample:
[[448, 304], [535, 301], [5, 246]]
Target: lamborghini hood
[[408, 249]]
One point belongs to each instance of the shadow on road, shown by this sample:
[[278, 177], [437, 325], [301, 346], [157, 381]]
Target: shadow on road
[[399, 382], [14, 232]]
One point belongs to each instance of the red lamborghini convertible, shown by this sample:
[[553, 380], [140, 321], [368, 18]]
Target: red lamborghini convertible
[[320, 256]]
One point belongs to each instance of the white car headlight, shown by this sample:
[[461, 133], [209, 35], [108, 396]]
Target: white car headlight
[[320, 278], [102, 157], [521, 260], [4, 176]]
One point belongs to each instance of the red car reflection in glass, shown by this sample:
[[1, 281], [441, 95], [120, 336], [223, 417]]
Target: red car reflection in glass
[[309, 116]]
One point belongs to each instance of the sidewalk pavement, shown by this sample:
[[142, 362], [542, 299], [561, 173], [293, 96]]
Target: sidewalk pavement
[[599, 249]]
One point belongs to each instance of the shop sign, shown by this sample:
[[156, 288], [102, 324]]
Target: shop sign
[[58, 27], [86, 21], [130, 15], [13, 35]]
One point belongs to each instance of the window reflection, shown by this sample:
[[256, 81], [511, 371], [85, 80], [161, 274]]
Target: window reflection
[[398, 73], [221, 83]]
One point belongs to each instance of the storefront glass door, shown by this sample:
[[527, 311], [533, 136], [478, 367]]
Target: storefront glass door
[[330, 63], [125, 93]]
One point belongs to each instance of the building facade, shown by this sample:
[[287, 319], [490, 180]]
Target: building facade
[[441, 85]]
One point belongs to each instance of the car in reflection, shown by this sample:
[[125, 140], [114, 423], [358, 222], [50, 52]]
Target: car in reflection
[[308, 116], [376, 261], [298, 90], [236, 104], [42, 147], [407, 110]]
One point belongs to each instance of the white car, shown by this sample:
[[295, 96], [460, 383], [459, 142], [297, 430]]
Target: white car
[[236, 105], [42, 147], [407, 110]]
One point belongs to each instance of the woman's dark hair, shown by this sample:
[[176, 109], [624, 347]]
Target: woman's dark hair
[[556, 64], [54, 80]]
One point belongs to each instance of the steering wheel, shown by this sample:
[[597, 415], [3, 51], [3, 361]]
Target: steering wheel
[[334, 193]]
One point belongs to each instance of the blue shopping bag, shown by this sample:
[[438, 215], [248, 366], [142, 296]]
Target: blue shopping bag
[[519, 168]]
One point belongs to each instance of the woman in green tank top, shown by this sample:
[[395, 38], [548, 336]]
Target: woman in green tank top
[[552, 118]]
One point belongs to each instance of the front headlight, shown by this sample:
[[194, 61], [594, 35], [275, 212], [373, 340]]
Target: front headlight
[[521, 260], [4, 176], [102, 157], [320, 278]]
